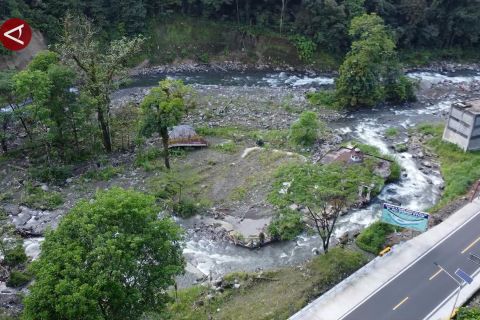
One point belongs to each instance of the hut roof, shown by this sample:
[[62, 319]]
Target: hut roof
[[185, 136]]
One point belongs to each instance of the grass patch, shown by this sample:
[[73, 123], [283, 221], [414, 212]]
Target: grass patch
[[149, 159], [286, 225], [324, 98], [270, 295], [372, 238], [226, 147], [272, 138], [36, 198], [465, 313], [459, 169], [391, 132]]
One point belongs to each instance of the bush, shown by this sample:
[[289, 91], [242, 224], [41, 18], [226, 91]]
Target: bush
[[401, 91], [37, 198], [15, 256], [373, 238], [51, 173], [324, 98], [18, 279], [186, 208], [148, 159], [305, 130], [465, 313], [305, 47], [286, 225]]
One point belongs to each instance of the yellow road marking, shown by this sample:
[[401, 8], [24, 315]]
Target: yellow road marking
[[436, 274], [401, 302], [470, 245]]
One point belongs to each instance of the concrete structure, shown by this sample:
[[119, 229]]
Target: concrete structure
[[463, 125]]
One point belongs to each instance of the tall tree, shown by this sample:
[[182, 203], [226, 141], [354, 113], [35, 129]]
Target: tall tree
[[371, 67], [99, 67], [162, 109], [108, 259]]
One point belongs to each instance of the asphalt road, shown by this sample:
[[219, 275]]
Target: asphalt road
[[423, 286]]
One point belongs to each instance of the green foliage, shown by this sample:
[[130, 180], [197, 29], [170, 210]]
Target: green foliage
[[372, 238], [53, 174], [371, 72], [11, 245], [466, 313], [37, 198], [186, 208], [403, 89], [286, 225], [307, 184], [391, 132], [18, 278], [227, 147], [324, 98], [99, 65], [14, 256], [163, 108], [305, 47], [148, 159], [257, 298], [307, 129], [87, 265], [459, 169]]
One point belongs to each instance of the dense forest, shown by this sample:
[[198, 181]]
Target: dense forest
[[414, 23]]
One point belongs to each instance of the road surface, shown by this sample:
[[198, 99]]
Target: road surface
[[406, 284], [418, 290]]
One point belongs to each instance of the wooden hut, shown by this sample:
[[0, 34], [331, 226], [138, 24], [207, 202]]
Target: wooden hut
[[185, 136]]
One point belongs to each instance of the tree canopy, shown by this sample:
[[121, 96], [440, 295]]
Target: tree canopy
[[112, 258]]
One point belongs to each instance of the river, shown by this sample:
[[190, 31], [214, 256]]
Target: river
[[414, 190]]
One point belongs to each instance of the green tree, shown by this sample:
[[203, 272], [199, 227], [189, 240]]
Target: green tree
[[162, 109], [58, 119], [111, 258], [371, 66], [307, 129], [324, 190], [100, 68]]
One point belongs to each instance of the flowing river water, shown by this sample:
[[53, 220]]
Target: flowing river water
[[415, 189]]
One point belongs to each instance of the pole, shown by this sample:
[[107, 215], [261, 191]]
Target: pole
[[456, 281]]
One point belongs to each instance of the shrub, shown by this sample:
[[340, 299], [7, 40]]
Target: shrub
[[15, 256], [401, 91], [465, 313], [373, 238], [147, 159], [51, 173], [305, 47], [324, 98], [305, 130], [37, 198], [18, 279], [186, 208], [286, 225]]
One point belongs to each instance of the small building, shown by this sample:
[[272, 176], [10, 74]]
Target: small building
[[185, 136], [463, 125]]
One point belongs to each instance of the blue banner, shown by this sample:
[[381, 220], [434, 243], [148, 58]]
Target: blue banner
[[405, 218]]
